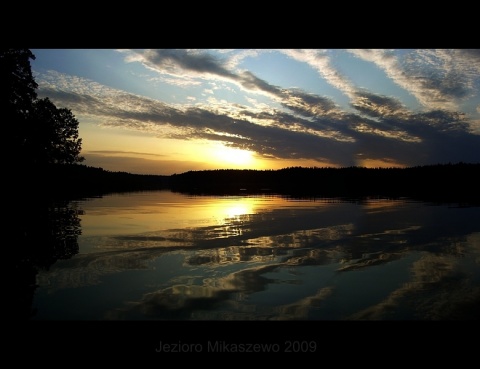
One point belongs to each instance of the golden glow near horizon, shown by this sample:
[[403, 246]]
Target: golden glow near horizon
[[114, 149], [222, 155], [153, 155]]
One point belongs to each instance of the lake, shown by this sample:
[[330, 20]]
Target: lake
[[161, 255]]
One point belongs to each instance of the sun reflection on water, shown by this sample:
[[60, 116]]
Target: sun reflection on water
[[170, 256]]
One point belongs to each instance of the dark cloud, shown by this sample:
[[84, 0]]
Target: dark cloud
[[452, 84], [442, 121], [275, 141], [376, 105], [472, 54], [197, 62], [82, 102], [251, 82], [308, 105], [444, 75], [130, 109], [296, 100], [445, 137]]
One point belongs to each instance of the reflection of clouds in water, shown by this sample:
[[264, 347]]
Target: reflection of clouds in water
[[314, 257], [226, 298], [269, 248], [300, 309], [181, 301], [390, 245], [431, 269], [231, 255], [378, 259], [439, 289], [229, 294], [303, 238], [231, 234], [87, 269], [370, 260]]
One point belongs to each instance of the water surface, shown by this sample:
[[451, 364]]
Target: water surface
[[162, 255]]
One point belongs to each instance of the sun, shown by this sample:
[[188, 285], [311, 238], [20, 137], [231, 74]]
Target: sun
[[230, 155]]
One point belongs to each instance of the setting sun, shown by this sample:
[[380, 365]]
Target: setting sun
[[230, 155]]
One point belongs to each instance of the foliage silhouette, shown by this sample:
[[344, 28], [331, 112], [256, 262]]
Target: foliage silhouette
[[52, 135], [37, 132]]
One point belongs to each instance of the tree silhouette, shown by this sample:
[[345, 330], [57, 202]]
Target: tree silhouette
[[37, 132], [18, 85], [52, 135], [17, 96]]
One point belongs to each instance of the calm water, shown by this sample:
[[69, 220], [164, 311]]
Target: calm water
[[162, 255]]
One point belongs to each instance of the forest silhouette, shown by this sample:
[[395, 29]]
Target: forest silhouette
[[439, 183]]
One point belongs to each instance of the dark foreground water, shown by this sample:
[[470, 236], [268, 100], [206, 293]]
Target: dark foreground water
[[167, 256]]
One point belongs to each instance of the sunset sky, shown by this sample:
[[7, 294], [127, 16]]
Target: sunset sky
[[175, 110]]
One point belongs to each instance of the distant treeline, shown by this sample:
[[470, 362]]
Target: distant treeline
[[443, 182], [78, 181]]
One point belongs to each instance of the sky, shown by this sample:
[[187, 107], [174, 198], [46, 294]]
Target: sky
[[175, 110]]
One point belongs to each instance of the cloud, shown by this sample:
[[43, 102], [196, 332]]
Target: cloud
[[437, 78], [195, 61], [376, 105], [307, 105], [308, 127]]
